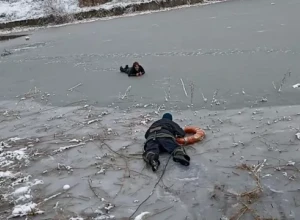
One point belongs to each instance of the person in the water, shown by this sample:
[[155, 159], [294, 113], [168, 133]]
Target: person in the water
[[135, 70]]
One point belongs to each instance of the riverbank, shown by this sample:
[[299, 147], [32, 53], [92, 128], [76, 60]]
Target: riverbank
[[56, 16]]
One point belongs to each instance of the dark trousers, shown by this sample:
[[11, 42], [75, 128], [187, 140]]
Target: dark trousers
[[126, 69], [160, 145]]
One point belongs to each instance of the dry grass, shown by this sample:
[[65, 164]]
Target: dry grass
[[56, 9], [90, 3], [248, 198]]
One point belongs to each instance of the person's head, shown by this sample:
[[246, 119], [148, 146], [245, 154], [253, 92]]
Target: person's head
[[136, 65], [168, 116]]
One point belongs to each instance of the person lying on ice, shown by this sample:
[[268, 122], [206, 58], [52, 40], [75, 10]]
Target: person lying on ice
[[135, 70], [160, 137]]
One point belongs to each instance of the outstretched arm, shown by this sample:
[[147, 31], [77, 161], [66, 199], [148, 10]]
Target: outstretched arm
[[178, 130], [142, 70]]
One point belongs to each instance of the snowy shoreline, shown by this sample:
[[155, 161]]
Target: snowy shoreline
[[22, 13]]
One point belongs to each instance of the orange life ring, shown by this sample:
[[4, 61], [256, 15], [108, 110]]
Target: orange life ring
[[198, 135]]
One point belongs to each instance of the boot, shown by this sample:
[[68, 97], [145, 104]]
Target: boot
[[180, 156], [122, 69], [152, 159]]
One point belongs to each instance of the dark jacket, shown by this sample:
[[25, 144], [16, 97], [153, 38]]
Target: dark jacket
[[166, 127], [133, 72]]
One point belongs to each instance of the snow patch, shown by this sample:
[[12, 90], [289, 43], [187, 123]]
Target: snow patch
[[24, 198], [61, 149], [15, 139], [296, 86], [4, 145], [8, 158], [6, 174], [25, 209], [189, 179], [21, 196], [104, 217], [21, 191], [290, 163], [142, 216], [74, 141], [66, 187], [21, 180]]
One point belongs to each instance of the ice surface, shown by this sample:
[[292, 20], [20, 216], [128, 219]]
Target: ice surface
[[109, 175]]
